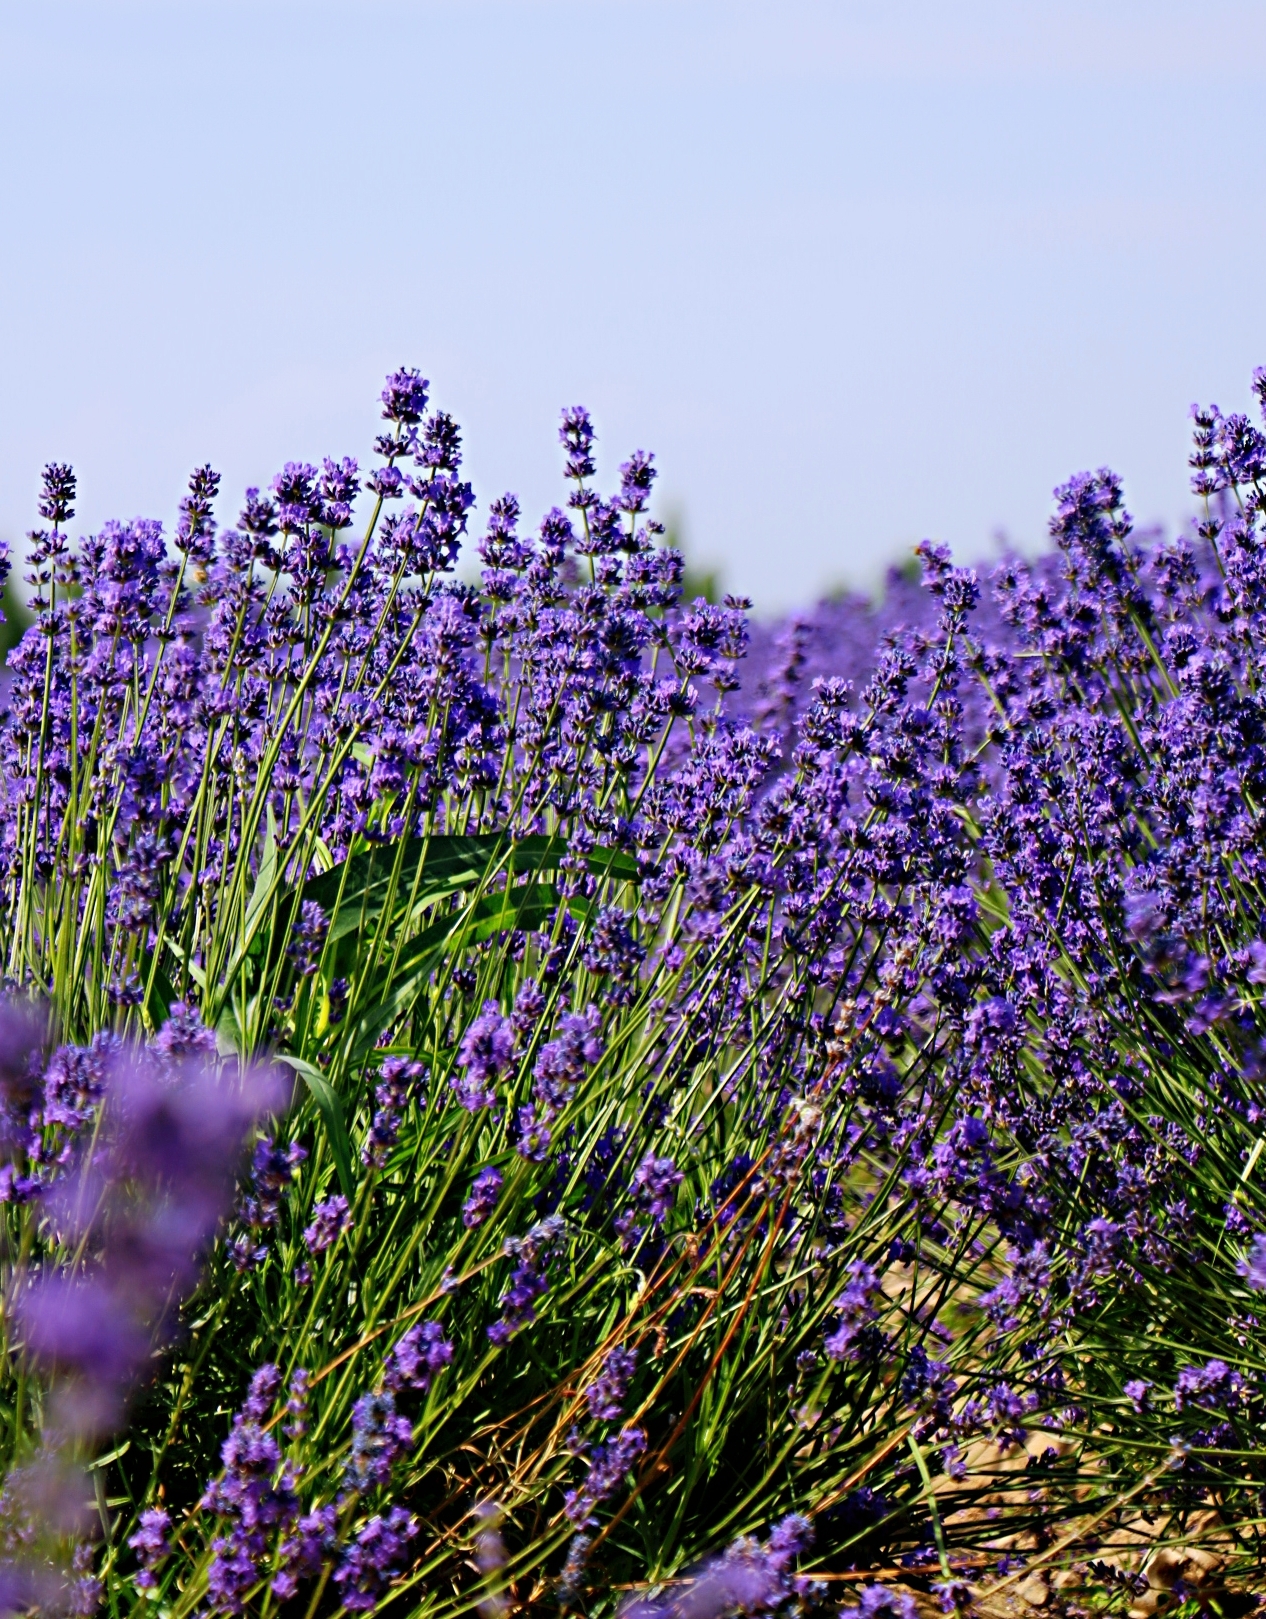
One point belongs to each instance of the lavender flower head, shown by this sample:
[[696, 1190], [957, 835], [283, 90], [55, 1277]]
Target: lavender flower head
[[374, 1560], [416, 1358], [307, 938], [485, 1193], [143, 1209], [856, 1311], [879, 1602], [606, 1394], [609, 1463], [485, 1053], [74, 1081], [379, 1438], [330, 1220], [749, 1577], [152, 1544], [273, 1169], [253, 1498], [532, 1254], [565, 1060], [399, 1081], [184, 1035]]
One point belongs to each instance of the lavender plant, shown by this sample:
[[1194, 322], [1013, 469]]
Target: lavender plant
[[725, 1110]]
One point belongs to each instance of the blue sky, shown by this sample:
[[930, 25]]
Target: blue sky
[[857, 273]]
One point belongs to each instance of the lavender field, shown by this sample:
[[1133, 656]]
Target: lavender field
[[539, 1095]]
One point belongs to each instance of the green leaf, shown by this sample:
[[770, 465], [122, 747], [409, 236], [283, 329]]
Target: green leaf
[[326, 1099], [182, 956], [161, 992], [392, 994], [450, 863], [265, 877], [355, 893]]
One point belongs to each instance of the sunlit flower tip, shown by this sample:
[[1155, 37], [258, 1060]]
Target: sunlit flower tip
[[404, 396]]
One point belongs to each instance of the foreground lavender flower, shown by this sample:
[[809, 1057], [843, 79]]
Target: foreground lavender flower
[[749, 1577], [254, 1497], [148, 1201], [416, 1358], [531, 1254], [379, 1438], [138, 1208], [608, 1464], [564, 1061]]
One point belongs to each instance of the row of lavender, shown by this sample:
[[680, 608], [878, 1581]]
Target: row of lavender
[[719, 1100]]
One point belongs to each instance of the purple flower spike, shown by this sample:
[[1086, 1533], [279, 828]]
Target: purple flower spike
[[404, 398], [606, 1394], [152, 1544], [185, 1035], [379, 1439], [374, 1559], [57, 493], [485, 1053], [566, 1059], [485, 1193], [329, 1221], [417, 1357]]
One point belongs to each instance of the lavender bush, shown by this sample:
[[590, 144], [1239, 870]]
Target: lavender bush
[[744, 1121]]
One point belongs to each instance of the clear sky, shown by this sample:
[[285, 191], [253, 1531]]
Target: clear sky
[[857, 273]]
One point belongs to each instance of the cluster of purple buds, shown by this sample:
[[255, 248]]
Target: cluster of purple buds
[[613, 953], [1253, 1266], [311, 1542], [296, 1424], [856, 1311], [533, 1139], [749, 1577], [565, 1060], [486, 1051], [531, 1254], [74, 1082], [375, 1559], [529, 1004], [1213, 1384], [416, 1358], [152, 1545], [379, 1438], [606, 1394], [399, 1082], [184, 1037], [881, 1602], [273, 1169], [254, 1497], [609, 1464], [654, 1189], [307, 938], [330, 1219], [485, 1194], [144, 1208], [22, 1091]]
